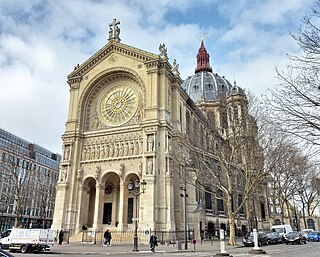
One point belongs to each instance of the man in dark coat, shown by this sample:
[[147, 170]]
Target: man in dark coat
[[153, 242]]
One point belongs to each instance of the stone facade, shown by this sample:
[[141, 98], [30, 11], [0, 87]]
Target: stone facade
[[130, 120]]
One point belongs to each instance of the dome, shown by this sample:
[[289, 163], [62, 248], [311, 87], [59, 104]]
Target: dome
[[205, 85]]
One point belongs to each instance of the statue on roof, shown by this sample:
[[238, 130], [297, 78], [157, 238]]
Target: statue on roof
[[163, 51], [114, 30]]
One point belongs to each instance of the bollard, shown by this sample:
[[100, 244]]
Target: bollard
[[256, 249], [223, 251]]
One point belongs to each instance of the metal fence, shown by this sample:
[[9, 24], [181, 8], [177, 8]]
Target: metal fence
[[126, 236]]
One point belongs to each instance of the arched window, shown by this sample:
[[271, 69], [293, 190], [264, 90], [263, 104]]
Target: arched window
[[277, 222], [310, 224], [188, 122], [220, 205], [211, 118]]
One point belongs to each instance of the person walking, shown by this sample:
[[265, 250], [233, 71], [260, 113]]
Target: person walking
[[107, 238], [153, 242], [60, 237]]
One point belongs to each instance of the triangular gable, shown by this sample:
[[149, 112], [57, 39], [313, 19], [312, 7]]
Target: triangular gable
[[107, 50]]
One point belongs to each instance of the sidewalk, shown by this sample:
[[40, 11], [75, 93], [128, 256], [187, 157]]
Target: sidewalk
[[87, 249]]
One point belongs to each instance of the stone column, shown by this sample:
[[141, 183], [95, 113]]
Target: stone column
[[97, 206], [122, 205]]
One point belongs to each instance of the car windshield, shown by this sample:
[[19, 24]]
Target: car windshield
[[313, 233], [271, 233], [279, 230]]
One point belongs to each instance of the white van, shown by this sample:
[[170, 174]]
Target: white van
[[34, 240], [282, 229]]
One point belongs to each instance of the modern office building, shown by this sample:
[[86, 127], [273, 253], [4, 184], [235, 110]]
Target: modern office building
[[28, 177]]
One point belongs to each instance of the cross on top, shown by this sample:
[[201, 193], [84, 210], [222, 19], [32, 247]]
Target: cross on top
[[114, 30]]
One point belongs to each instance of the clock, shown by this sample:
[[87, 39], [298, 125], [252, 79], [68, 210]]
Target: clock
[[118, 105]]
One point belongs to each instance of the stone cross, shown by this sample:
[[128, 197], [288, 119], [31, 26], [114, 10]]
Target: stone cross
[[114, 30]]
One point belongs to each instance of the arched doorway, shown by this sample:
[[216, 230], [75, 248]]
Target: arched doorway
[[88, 202], [111, 205], [310, 224]]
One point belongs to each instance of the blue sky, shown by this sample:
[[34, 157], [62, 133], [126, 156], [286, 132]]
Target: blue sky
[[41, 41]]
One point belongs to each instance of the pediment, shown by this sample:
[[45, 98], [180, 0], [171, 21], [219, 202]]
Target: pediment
[[108, 50]]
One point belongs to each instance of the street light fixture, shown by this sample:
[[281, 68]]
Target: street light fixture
[[134, 188], [185, 195]]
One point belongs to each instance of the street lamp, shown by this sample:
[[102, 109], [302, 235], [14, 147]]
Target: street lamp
[[185, 195], [134, 188]]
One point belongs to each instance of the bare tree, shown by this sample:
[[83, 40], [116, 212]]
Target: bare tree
[[15, 182], [295, 101], [235, 171]]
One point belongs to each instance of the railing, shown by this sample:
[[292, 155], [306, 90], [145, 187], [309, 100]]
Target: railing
[[126, 236]]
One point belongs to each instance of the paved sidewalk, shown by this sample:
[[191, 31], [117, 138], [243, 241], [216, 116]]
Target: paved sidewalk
[[87, 248]]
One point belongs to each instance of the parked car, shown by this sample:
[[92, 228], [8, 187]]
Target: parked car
[[313, 236], [282, 229], [262, 239], [273, 237], [295, 238], [306, 231]]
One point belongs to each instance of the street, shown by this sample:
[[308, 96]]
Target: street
[[281, 250]]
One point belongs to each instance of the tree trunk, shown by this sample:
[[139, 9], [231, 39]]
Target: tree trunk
[[232, 238]]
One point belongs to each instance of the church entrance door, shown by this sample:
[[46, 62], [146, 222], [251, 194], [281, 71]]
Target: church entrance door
[[107, 213]]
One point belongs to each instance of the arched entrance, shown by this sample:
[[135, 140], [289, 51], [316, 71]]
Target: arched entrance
[[88, 201], [111, 205]]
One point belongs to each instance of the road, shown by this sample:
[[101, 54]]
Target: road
[[282, 250]]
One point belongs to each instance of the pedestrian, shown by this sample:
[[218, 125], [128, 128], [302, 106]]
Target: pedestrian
[[153, 242], [60, 237], [107, 238]]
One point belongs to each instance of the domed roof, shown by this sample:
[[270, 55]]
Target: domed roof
[[205, 85]]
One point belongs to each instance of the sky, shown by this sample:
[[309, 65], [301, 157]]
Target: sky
[[42, 40]]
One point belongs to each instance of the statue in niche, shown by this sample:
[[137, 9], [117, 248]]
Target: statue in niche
[[63, 176], [116, 150], [140, 146], [88, 153], [111, 150], [120, 149], [84, 153], [150, 167], [130, 148], [150, 144], [66, 153], [135, 148], [106, 151], [102, 153], [79, 173], [140, 168], [92, 153], [139, 115], [126, 149], [97, 155], [95, 124]]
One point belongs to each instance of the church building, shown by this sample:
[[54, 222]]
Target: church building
[[137, 136]]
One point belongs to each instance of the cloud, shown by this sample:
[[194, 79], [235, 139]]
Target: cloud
[[41, 41]]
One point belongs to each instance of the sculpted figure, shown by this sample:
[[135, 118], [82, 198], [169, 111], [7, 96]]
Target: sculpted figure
[[126, 149], [150, 144], [150, 167]]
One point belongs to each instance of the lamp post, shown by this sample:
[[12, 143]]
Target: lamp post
[[134, 188], [185, 195]]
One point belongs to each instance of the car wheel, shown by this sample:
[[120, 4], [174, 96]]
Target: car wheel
[[24, 249]]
